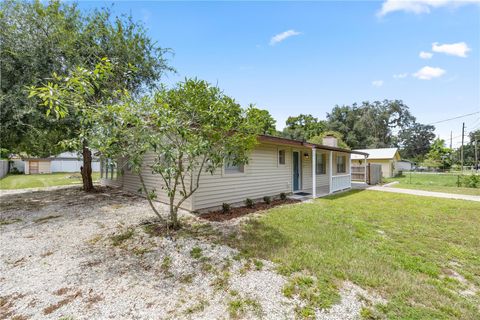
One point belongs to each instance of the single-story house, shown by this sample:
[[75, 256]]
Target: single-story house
[[276, 165], [64, 162], [387, 157]]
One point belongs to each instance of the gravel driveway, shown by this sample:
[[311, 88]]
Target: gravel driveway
[[70, 255]]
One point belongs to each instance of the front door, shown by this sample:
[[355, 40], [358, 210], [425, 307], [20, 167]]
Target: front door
[[33, 167], [296, 170]]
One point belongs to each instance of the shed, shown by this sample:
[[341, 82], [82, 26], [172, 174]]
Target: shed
[[387, 157]]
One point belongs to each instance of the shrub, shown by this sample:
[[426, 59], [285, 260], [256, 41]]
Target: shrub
[[283, 196], [267, 199], [471, 181], [226, 208], [249, 203]]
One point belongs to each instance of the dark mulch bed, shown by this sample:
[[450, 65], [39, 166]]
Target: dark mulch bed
[[241, 211]]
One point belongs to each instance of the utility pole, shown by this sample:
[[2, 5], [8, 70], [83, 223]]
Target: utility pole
[[461, 150], [476, 154]]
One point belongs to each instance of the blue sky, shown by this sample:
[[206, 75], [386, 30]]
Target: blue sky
[[326, 53]]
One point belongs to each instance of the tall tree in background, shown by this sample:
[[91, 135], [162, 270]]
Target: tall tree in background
[[370, 125], [439, 156], [39, 39], [265, 121], [414, 141], [303, 127]]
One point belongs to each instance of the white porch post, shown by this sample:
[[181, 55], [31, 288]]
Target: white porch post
[[365, 175], [350, 167], [330, 171], [314, 173]]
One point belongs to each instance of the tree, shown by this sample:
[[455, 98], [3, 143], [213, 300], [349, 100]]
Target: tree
[[319, 139], [191, 129], [303, 127], [266, 123], [439, 156], [79, 95], [39, 39], [415, 141], [370, 125]]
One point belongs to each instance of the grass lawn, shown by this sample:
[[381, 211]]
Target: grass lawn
[[441, 182], [419, 253], [22, 181]]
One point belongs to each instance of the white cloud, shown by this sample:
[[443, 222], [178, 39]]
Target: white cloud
[[282, 36], [428, 73], [419, 6], [377, 83], [425, 55], [458, 49], [400, 75]]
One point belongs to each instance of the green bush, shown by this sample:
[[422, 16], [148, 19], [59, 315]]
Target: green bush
[[470, 181], [267, 199], [226, 208], [249, 203], [283, 196]]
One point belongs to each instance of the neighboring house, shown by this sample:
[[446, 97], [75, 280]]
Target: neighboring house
[[276, 165], [64, 162], [387, 157], [405, 165]]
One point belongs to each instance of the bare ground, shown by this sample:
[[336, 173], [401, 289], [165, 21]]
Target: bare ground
[[68, 254]]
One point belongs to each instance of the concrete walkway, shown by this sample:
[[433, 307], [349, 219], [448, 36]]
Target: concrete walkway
[[425, 193]]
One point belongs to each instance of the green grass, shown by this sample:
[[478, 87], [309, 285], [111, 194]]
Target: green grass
[[23, 181], [440, 182], [401, 246]]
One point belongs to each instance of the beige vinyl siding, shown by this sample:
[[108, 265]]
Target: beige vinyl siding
[[262, 176], [131, 182]]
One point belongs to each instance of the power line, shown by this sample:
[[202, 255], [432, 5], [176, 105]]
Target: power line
[[462, 116]]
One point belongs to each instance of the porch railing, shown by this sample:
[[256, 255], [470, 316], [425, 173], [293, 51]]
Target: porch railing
[[341, 182]]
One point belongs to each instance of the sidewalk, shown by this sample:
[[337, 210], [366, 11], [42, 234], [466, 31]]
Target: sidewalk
[[425, 193]]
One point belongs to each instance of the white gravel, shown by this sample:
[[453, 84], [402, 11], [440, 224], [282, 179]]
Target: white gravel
[[58, 259]]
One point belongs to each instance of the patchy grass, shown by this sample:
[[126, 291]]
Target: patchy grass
[[45, 219], [24, 181], [196, 253], [438, 182], [4, 222], [398, 245], [120, 238], [237, 308]]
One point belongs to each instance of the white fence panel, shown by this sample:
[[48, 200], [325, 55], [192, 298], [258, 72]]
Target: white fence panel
[[341, 182]]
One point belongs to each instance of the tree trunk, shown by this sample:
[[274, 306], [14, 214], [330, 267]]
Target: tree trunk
[[174, 217], [86, 169]]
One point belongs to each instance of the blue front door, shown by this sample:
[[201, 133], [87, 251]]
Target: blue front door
[[296, 171]]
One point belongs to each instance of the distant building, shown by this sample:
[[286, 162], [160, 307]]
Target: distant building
[[387, 157], [64, 162]]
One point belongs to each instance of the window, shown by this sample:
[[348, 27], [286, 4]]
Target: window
[[108, 169], [281, 156], [341, 164], [233, 168], [321, 165]]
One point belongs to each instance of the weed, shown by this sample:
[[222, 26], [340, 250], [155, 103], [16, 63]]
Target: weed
[[166, 264], [198, 307], [226, 208], [44, 219], [283, 196], [238, 307], [188, 278], [120, 238], [267, 199], [196, 252], [258, 264], [221, 282], [249, 203]]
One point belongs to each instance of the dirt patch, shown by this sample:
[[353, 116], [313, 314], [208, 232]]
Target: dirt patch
[[242, 211], [62, 302]]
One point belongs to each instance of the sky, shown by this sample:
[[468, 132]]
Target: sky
[[307, 57]]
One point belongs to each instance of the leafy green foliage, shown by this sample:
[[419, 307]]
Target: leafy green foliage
[[226, 208], [439, 156], [65, 38], [369, 125], [249, 203], [414, 141], [267, 199], [283, 196], [191, 129], [303, 127], [263, 118]]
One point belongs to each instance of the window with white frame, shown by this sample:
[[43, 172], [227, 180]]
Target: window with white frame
[[341, 164], [281, 156], [231, 168], [321, 164]]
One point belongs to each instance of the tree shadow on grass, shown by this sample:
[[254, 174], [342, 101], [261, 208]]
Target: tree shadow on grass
[[344, 194]]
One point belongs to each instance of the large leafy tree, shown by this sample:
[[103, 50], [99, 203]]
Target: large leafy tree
[[39, 39], [438, 156], [371, 124], [266, 122], [190, 129], [303, 127], [415, 141]]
